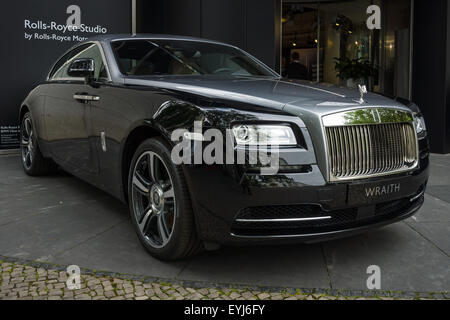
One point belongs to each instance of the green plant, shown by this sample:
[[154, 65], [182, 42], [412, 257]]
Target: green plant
[[354, 68]]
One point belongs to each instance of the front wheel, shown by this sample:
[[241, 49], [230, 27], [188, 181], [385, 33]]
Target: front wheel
[[160, 204]]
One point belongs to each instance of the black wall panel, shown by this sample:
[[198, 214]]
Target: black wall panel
[[253, 25], [150, 16], [446, 142], [263, 27], [183, 17], [26, 61], [431, 69], [224, 21]]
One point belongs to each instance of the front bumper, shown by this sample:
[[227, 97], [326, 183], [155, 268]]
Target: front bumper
[[222, 194]]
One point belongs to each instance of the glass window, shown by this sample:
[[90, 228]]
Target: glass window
[[176, 57], [90, 51], [328, 41], [63, 61]]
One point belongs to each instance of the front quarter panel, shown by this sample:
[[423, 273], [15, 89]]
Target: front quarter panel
[[222, 188], [35, 103]]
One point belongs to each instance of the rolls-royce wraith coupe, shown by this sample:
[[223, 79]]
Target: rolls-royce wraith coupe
[[348, 160]]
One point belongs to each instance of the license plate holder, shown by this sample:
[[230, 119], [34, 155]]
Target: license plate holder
[[381, 191]]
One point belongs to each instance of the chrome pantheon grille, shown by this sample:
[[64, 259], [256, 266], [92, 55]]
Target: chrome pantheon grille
[[369, 142]]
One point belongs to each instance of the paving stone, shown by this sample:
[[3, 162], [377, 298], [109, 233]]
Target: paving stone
[[60, 285], [129, 289], [234, 295], [139, 293], [93, 282], [264, 296], [108, 288], [162, 295], [52, 286], [182, 291]]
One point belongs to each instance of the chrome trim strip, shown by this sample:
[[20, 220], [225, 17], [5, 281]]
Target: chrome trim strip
[[86, 97], [284, 220], [361, 177], [418, 196], [367, 116], [409, 213]]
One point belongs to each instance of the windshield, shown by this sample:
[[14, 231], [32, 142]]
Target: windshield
[[177, 57]]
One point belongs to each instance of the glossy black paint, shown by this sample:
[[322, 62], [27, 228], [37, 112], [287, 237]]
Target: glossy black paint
[[132, 110]]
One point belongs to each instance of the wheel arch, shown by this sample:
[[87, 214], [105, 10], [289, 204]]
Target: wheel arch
[[24, 108], [161, 125], [136, 136]]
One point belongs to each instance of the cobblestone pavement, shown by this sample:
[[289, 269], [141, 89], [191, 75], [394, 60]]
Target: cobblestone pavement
[[24, 282]]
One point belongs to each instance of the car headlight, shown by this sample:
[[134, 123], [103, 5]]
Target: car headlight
[[249, 134], [419, 124]]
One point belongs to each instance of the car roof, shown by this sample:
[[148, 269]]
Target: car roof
[[125, 36]]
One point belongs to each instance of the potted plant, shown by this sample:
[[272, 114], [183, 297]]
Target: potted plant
[[354, 71]]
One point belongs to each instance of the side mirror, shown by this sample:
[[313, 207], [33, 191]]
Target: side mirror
[[82, 68]]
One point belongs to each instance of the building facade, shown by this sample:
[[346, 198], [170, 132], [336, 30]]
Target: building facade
[[408, 57]]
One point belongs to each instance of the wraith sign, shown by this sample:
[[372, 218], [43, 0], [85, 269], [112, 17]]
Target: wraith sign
[[36, 34], [383, 190]]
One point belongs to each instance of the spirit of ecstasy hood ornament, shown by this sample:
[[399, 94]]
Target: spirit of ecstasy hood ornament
[[362, 91]]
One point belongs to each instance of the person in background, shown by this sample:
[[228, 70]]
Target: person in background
[[296, 70]]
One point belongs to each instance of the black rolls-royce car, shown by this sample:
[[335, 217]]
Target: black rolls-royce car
[[347, 160]]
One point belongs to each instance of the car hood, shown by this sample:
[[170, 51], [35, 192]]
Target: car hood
[[306, 100], [293, 96]]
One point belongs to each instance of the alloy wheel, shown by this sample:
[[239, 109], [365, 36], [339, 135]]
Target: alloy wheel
[[153, 199], [26, 143]]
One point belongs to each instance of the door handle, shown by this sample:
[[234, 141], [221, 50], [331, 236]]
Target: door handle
[[85, 97]]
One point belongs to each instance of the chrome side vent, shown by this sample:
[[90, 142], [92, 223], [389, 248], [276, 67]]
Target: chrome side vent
[[366, 150]]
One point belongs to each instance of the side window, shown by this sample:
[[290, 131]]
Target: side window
[[60, 68], [103, 74], [59, 65], [90, 51]]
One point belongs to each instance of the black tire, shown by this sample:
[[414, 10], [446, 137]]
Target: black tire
[[33, 162], [182, 241]]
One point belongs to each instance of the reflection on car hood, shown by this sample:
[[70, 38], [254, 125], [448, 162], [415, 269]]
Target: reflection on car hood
[[293, 96]]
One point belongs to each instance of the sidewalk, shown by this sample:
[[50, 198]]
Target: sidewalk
[[60, 221], [24, 282]]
